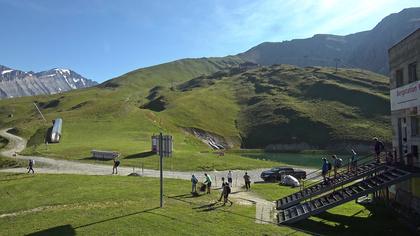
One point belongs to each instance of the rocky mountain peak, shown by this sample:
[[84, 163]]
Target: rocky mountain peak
[[16, 83]]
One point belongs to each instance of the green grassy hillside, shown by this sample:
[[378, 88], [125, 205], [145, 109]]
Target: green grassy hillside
[[110, 117], [286, 105], [258, 108]]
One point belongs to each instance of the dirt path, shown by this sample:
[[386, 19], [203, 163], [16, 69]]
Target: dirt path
[[56, 166], [265, 209]]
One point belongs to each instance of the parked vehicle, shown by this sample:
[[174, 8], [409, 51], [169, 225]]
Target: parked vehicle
[[276, 173]]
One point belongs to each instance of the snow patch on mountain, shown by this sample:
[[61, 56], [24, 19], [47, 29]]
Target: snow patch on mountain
[[16, 83], [6, 71]]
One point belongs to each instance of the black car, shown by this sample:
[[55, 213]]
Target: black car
[[276, 173]]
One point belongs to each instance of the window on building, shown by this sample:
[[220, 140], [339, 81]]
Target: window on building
[[412, 72], [415, 126], [399, 77]]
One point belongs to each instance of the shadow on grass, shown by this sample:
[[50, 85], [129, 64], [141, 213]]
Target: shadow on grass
[[188, 195], [211, 207], [117, 217], [58, 230], [140, 155], [208, 207], [380, 221], [96, 159]]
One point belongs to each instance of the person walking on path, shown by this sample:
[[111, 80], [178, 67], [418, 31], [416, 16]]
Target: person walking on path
[[247, 181], [378, 147], [223, 189], [225, 192], [229, 177], [194, 182], [325, 166], [31, 166], [207, 182], [115, 167], [338, 162]]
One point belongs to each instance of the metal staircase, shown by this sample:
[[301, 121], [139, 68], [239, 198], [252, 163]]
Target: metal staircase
[[320, 187], [387, 177]]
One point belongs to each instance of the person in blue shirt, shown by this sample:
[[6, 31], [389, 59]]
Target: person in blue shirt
[[194, 182]]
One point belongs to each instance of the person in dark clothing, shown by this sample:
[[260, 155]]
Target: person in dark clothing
[[223, 188], [115, 167], [378, 147], [30, 166], [338, 162], [194, 182], [247, 180], [225, 192]]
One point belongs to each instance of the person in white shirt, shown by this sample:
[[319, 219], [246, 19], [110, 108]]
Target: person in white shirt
[[229, 177]]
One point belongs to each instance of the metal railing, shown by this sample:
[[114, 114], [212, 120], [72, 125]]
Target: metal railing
[[344, 168]]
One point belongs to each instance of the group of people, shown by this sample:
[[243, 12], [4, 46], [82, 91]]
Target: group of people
[[336, 163], [226, 186], [327, 166]]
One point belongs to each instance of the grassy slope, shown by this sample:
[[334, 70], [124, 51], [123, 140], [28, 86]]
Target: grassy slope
[[286, 104], [347, 219], [278, 104], [111, 205], [109, 118]]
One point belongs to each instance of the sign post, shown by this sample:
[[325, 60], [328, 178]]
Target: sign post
[[164, 150]]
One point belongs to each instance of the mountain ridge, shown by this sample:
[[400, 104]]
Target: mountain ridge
[[366, 49], [17, 83]]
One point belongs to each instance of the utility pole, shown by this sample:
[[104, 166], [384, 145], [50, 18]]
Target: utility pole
[[161, 167], [164, 150], [39, 111]]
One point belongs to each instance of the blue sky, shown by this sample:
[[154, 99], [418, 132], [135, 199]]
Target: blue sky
[[102, 39]]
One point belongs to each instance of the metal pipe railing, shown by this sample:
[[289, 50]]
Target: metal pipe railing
[[365, 160]]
